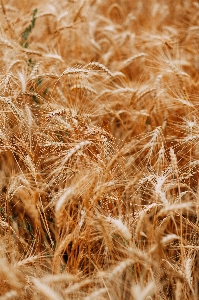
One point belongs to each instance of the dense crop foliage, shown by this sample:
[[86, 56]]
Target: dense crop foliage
[[99, 153]]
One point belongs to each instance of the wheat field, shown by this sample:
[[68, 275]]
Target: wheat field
[[99, 149]]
